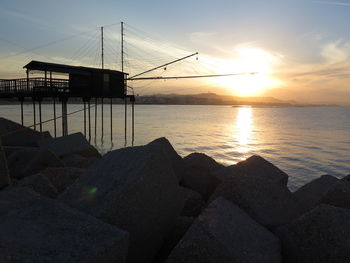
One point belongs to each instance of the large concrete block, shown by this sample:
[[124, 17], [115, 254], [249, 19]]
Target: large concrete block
[[225, 233], [62, 177], [4, 172], [39, 184], [30, 161], [14, 134], [268, 203], [199, 173], [38, 229], [194, 202], [65, 145], [134, 188], [255, 166], [321, 236], [310, 194], [162, 144], [338, 194], [78, 161]]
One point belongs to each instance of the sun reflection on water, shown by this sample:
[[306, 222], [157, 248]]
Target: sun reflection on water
[[244, 127]]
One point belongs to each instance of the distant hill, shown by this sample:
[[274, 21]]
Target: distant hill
[[213, 99]]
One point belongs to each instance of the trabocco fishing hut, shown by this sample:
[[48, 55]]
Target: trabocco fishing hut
[[74, 82]]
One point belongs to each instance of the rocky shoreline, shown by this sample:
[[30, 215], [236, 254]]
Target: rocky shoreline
[[61, 201]]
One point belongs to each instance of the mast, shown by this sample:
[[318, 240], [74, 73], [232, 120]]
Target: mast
[[102, 55]]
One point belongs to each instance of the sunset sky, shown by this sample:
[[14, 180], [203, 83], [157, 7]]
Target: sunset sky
[[300, 49]]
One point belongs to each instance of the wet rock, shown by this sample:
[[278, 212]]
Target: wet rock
[[134, 188], [311, 193], [321, 236], [182, 224], [255, 166], [176, 161], [62, 177], [338, 194], [194, 203], [73, 143], [4, 172], [39, 229], [39, 184], [14, 134], [198, 176], [27, 162], [78, 161], [268, 203], [225, 233]]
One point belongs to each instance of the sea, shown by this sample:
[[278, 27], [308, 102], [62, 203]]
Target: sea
[[305, 142]]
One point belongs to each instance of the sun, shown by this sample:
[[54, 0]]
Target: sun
[[255, 63]]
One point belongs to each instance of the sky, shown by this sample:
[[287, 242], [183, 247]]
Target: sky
[[299, 49]]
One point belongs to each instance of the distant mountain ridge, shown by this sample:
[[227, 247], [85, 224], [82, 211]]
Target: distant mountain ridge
[[215, 99]]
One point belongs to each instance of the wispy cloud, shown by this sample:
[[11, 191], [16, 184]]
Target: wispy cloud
[[332, 3]]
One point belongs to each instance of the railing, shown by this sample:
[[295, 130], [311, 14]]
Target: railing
[[35, 86]]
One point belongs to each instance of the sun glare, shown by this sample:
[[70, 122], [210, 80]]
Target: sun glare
[[247, 60]]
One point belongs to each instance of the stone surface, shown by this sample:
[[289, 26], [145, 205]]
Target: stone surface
[[28, 162], [311, 193], [39, 184], [225, 233], [134, 188], [72, 143], [255, 166], [321, 236], [338, 194], [268, 203], [194, 203], [169, 152], [198, 176], [14, 134], [4, 172], [182, 224], [39, 229], [62, 177], [78, 161]]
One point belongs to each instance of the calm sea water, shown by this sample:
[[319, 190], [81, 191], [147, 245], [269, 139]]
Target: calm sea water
[[304, 142]]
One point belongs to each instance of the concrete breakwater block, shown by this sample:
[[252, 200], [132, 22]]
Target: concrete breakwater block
[[30, 161], [193, 204], [225, 233], [38, 229], [14, 134], [321, 236], [199, 174], [4, 172], [338, 194], [310, 194], [255, 166], [268, 203], [66, 145], [134, 188], [40, 184], [78, 161]]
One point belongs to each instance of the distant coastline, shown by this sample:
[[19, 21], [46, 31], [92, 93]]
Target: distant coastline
[[199, 99]]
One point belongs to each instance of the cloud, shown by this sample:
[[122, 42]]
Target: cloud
[[332, 3]]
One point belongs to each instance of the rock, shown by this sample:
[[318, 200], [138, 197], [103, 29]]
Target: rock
[[12, 149], [39, 184], [39, 229], [134, 188], [225, 233], [198, 176], [338, 194], [182, 224], [78, 161], [4, 172], [73, 143], [311, 193], [255, 166], [268, 203], [27, 162], [62, 177], [321, 236], [194, 203], [176, 161], [14, 134]]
